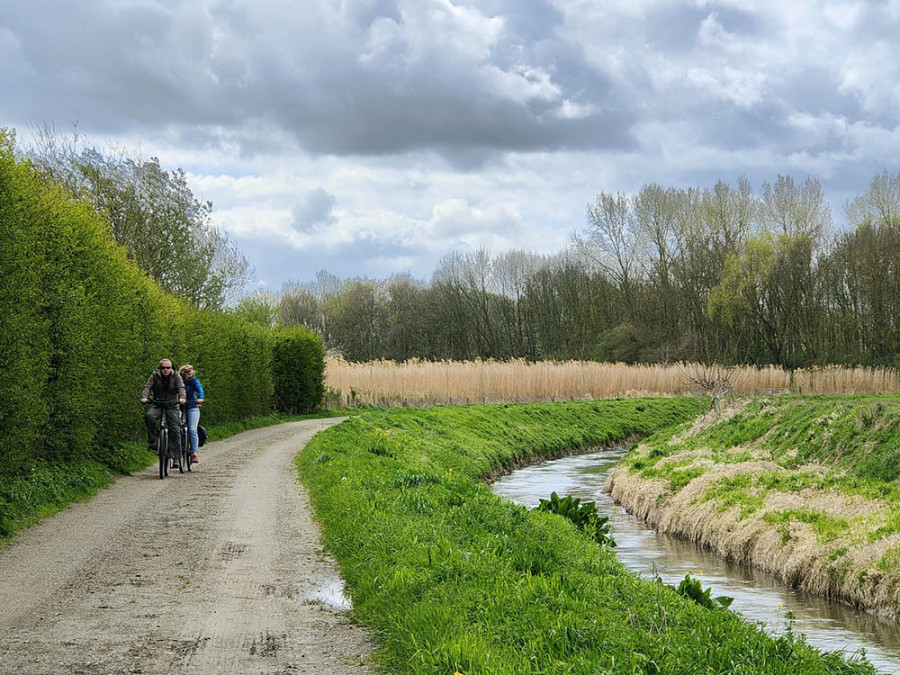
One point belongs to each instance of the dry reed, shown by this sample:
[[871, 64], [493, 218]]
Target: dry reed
[[846, 568], [388, 383]]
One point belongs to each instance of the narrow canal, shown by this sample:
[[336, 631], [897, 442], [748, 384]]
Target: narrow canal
[[758, 596]]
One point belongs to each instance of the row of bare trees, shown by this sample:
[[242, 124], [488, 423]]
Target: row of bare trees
[[722, 274]]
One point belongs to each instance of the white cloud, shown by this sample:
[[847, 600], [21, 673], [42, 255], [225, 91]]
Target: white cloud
[[873, 74], [374, 133], [522, 84], [572, 110], [743, 89]]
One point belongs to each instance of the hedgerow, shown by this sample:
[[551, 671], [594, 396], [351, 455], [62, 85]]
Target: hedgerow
[[299, 370], [82, 327]]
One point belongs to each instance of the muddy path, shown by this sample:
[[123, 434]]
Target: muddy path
[[216, 571]]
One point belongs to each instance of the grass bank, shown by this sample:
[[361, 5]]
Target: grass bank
[[454, 579], [806, 488], [41, 489]]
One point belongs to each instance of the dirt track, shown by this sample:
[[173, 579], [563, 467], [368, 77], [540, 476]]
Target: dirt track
[[216, 571]]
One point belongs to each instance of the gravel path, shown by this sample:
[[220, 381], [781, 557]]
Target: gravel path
[[215, 571]]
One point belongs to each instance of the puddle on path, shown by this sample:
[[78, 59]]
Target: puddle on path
[[331, 595]]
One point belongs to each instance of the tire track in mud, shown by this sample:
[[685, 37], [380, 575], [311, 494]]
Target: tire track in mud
[[214, 571]]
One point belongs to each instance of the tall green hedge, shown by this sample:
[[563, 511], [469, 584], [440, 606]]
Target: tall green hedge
[[298, 366], [81, 329]]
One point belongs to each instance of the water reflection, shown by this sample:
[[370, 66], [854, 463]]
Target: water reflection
[[331, 595], [758, 596]]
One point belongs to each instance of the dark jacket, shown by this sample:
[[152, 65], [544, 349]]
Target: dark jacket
[[168, 388]]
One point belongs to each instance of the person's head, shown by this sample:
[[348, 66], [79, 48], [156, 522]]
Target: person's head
[[187, 371], [165, 367]]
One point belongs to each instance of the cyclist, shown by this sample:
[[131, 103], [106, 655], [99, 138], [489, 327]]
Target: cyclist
[[194, 401], [168, 390]]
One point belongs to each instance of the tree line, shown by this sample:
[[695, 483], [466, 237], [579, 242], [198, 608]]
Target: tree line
[[723, 274]]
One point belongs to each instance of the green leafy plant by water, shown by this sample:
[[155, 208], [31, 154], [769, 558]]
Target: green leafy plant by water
[[693, 589], [584, 516]]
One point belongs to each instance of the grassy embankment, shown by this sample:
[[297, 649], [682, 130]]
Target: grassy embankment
[[44, 488], [452, 578], [807, 488]]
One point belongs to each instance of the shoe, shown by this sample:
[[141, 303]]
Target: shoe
[[175, 464], [194, 458]]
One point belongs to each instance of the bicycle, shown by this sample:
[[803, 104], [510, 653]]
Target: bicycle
[[187, 456], [162, 439]]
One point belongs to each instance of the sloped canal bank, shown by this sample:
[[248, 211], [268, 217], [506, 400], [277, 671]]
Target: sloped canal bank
[[758, 596]]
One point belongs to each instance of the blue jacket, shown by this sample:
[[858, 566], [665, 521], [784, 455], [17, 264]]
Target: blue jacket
[[194, 391]]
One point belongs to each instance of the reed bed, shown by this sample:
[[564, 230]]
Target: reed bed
[[423, 383]]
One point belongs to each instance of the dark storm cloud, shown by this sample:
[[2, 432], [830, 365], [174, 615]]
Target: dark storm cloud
[[381, 77], [456, 118], [378, 77]]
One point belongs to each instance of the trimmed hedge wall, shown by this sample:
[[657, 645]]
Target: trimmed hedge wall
[[81, 329], [299, 370]]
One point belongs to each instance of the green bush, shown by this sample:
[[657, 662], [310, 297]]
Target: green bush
[[298, 369], [81, 329]]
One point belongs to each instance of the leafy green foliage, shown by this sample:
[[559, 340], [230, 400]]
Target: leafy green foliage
[[584, 516], [298, 370], [152, 214], [693, 589]]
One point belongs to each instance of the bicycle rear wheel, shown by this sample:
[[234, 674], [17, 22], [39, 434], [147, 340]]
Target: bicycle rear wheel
[[187, 457], [162, 446], [182, 464]]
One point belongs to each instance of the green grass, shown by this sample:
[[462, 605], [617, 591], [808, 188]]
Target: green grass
[[45, 489], [452, 578], [853, 441], [735, 492], [825, 527]]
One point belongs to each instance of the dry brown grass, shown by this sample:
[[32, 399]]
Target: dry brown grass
[[416, 382], [845, 566]]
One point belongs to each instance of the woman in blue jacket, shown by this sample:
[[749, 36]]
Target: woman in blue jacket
[[192, 408]]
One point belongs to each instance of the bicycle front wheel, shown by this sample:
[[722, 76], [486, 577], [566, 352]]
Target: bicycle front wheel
[[162, 445]]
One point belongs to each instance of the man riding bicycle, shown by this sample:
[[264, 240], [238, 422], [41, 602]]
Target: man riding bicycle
[[168, 390]]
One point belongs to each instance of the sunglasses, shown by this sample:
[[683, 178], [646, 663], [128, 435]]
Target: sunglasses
[[165, 367]]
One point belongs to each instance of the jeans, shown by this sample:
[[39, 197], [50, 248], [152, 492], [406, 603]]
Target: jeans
[[193, 419]]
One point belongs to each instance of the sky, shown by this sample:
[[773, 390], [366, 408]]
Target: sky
[[374, 137]]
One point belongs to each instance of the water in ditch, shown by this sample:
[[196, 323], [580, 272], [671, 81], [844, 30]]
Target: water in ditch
[[758, 596]]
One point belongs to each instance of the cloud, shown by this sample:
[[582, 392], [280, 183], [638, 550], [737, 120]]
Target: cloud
[[315, 212], [372, 133], [374, 78]]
